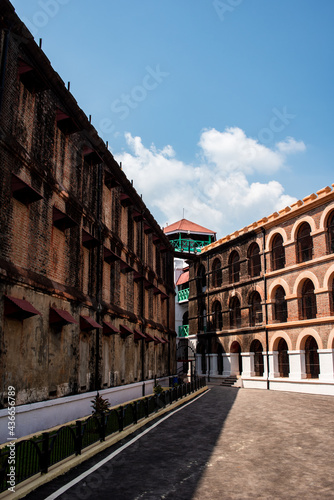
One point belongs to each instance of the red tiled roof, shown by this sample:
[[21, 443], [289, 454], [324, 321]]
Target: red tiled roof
[[183, 278], [185, 225]]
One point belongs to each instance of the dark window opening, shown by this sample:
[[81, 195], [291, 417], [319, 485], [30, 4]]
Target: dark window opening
[[217, 316], [254, 260], [330, 233], [255, 310], [309, 305], [257, 349], [280, 306], [277, 253], [234, 267], [217, 274], [235, 313], [304, 243], [312, 358], [283, 358]]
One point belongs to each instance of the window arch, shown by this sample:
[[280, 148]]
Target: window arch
[[283, 358], [217, 316], [235, 348], [277, 253], [331, 298], [255, 309], [254, 260], [201, 279], [202, 318], [330, 233], [217, 274], [304, 243], [280, 306], [234, 267], [308, 301], [257, 349], [235, 313], [311, 358]]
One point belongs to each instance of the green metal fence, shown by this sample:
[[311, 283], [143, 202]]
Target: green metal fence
[[189, 246], [36, 455], [183, 295], [184, 331]]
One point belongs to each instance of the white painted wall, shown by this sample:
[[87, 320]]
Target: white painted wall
[[37, 417]]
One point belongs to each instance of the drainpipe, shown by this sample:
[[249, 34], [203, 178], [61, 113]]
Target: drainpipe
[[3, 66], [99, 281], [207, 316], [142, 307], [265, 300]]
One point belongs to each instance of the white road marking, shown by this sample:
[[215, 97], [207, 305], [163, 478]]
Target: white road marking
[[82, 476]]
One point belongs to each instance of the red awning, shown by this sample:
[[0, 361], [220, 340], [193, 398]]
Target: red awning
[[19, 308], [125, 330], [139, 335], [183, 278], [87, 323], [60, 316], [149, 338], [109, 328], [157, 340]]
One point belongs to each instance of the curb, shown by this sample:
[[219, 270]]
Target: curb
[[34, 482]]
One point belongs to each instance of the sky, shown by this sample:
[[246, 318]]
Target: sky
[[221, 111]]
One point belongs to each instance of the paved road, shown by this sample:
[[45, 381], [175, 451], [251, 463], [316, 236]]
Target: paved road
[[229, 444]]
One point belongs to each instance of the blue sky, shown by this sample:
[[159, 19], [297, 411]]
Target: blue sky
[[223, 108]]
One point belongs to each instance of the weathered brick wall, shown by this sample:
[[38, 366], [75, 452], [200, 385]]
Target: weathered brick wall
[[54, 267], [319, 269]]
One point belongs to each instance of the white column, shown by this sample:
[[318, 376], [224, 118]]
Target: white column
[[265, 364], [226, 365], [326, 361], [213, 364], [248, 364], [297, 364], [234, 363], [273, 364], [198, 358]]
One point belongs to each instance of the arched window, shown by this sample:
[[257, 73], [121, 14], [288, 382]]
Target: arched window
[[330, 233], [185, 320], [217, 275], [304, 243], [202, 318], [254, 260], [255, 309], [217, 316], [280, 306], [277, 253], [235, 313], [308, 301], [234, 267], [331, 298], [201, 279], [257, 349], [311, 358], [200, 349], [235, 348], [283, 358]]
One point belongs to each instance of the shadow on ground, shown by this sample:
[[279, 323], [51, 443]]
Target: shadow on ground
[[167, 462]]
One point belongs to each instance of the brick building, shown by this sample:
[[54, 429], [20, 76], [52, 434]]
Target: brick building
[[86, 273], [261, 300]]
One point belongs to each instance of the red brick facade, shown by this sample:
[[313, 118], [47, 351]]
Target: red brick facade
[[75, 237], [261, 299]]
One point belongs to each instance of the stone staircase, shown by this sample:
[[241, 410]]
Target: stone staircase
[[229, 381]]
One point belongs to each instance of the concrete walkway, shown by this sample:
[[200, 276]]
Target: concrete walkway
[[227, 444]]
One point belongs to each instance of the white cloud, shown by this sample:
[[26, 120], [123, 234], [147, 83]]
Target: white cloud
[[232, 150], [290, 145], [217, 192]]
